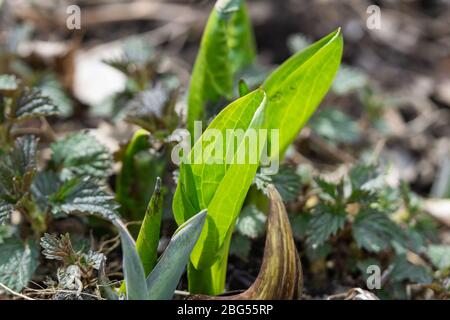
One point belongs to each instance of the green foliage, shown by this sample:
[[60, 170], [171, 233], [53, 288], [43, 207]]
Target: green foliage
[[326, 221], [251, 222], [227, 45], [8, 83], [212, 185], [138, 160], [83, 195], [439, 256], [80, 154], [374, 231], [148, 238], [162, 281], [17, 169], [18, 261], [153, 110], [32, 104], [335, 126], [286, 181], [296, 88]]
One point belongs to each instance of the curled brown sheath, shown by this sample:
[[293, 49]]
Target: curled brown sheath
[[280, 276]]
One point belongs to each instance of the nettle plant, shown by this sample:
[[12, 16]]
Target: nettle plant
[[209, 195]]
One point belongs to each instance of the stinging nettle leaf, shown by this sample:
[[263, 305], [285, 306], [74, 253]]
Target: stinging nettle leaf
[[80, 154], [5, 211], [8, 83], [439, 256], [32, 104], [18, 261], [84, 196], [251, 222]]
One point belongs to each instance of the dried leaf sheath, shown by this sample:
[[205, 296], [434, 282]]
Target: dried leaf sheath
[[280, 276]]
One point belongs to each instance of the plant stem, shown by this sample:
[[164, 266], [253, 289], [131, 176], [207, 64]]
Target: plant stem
[[210, 281]]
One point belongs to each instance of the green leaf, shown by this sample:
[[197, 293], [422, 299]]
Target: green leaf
[[80, 154], [251, 222], [296, 88], [374, 231], [133, 269], [58, 248], [138, 161], [219, 187], [153, 109], [227, 45], [148, 238], [241, 39], [84, 196], [45, 184], [32, 104], [325, 222], [17, 169], [8, 83], [18, 261], [439, 256], [52, 88], [5, 211], [403, 270], [164, 278], [349, 79], [335, 126], [243, 88]]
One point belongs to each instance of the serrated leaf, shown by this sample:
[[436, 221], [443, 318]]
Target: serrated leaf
[[52, 88], [8, 83], [439, 256], [349, 79], [17, 169], [32, 104], [45, 183], [374, 231], [18, 261], [153, 109], [335, 126], [58, 248], [251, 222], [296, 88], [80, 154], [5, 211], [325, 222], [403, 270], [84, 196], [288, 183], [164, 278]]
